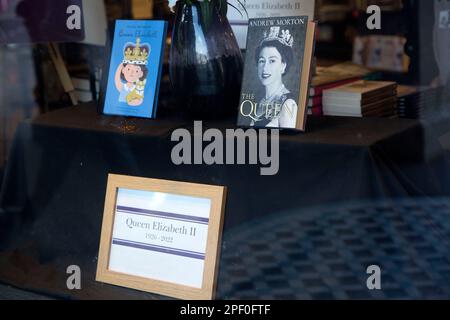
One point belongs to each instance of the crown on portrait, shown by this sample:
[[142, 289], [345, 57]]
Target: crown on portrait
[[136, 53], [284, 37]]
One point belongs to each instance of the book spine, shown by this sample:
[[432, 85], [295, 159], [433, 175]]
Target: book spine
[[316, 111], [105, 68], [161, 62], [307, 66]]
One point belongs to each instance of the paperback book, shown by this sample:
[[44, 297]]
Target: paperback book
[[361, 99]]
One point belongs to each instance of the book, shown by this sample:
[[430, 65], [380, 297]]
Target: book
[[360, 90], [346, 71], [277, 73], [419, 102], [83, 96], [387, 104], [318, 90], [131, 82], [381, 52], [361, 99]]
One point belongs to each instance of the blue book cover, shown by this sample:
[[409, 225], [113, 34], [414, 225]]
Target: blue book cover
[[135, 68]]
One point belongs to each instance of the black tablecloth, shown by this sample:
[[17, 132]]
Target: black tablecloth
[[54, 186]]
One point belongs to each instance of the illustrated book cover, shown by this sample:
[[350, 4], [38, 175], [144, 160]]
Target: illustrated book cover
[[131, 84], [277, 73]]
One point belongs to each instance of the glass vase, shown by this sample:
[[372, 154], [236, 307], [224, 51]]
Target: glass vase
[[206, 64]]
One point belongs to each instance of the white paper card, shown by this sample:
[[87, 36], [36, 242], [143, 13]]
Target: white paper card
[[265, 9], [160, 236]]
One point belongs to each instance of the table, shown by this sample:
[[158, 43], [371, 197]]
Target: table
[[54, 186]]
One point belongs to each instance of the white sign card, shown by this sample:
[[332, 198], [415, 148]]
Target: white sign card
[[264, 9], [162, 235]]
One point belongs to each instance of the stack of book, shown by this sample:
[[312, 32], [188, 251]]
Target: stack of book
[[315, 102], [87, 86], [361, 99], [83, 90], [332, 77], [415, 102]]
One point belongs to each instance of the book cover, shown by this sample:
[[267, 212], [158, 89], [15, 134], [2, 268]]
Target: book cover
[[134, 68], [277, 72]]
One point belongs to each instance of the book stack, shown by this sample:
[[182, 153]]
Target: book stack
[[332, 77], [415, 102], [361, 99], [315, 101]]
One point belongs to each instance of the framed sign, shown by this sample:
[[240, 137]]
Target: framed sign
[[161, 236]]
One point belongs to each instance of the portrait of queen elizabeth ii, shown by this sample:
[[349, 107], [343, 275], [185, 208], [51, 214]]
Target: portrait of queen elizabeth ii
[[277, 107]]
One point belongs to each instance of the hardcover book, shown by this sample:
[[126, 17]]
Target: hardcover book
[[277, 73], [131, 85]]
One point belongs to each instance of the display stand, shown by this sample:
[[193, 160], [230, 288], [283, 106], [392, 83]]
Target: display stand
[[55, 184]]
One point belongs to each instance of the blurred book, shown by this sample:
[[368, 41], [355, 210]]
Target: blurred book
[[381, 52], [332, 77], [83, 88], [318, 90], [339, 72], [361, 99], [418, 102]]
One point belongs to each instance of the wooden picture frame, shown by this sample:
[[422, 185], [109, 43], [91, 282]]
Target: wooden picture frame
[[170, 259]]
